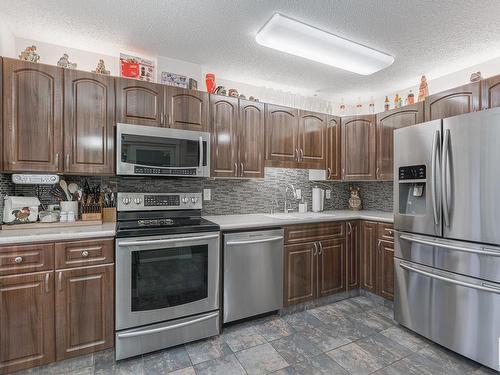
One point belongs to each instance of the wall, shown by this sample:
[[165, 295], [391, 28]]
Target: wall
[[7, 41], [230, 196]]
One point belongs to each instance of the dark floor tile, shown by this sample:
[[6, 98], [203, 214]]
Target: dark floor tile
[[450, 361], [275, 328], [296, 348], [325, 338], [347, 307], [185, 371], [262, 359], [328, 314], [414, 364], [227, 365], [243, 337], [68, 366], [383, 348], [356, 360], [373, 320], [351, 329], [406, 338], [165, 361], [303, 321], [364, 303], [131, 366], [319, 365], [104, 359], [207, 349]]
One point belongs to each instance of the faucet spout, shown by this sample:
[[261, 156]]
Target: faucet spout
[[292, 188]]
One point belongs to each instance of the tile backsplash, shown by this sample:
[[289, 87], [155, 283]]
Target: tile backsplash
[[229, 196]]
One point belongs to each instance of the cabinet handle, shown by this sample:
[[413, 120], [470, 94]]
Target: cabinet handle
[[320, 248], [378, 245], [170, 121], [242, 170], [301, 154], [47, 277], [162, 119], [315, 252], [85, 253], [296, 154], [236, 169], [67, 160], [377, 173], [57, 159], [59, 281], [349, 228], [329, 175], [18, 260], [343, 172]]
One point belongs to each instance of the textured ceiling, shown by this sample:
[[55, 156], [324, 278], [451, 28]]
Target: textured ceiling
[[435, 37]]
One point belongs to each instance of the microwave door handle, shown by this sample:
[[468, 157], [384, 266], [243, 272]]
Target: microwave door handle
[[200, 161], [166, 241]]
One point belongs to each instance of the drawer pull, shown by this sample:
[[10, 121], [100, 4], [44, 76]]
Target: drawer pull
[[18, 260], [85, 253]]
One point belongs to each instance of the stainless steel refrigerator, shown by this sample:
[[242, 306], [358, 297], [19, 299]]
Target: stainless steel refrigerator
[[447, 241]]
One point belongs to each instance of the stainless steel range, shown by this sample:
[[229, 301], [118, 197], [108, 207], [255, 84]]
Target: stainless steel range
[[167, 272]]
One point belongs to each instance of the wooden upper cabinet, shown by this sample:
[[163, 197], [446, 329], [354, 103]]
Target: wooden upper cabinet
[[89, 123], [333, 148], [140, 103], [186, 109], [368, 256], [387, 122], [282, 127], [251, 139], [358, 147], [26, 321], [352, 251], [453, 102], [300, 273], [84, 310], [490, 97], [312, 141], [331, 267], [33, 116], [224, 133]]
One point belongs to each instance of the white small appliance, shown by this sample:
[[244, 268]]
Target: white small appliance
[[20, 210], [318, 199]]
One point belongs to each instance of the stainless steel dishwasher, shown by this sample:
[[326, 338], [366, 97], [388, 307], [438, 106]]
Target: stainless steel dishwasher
[[253, 273]]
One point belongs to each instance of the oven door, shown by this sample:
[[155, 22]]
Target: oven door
[[166, 277], [150, 151]]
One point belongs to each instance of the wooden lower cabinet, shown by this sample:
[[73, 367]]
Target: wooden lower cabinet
[[300, 273], [352, 254], [26, 321], [84, 313], [331, 267], [385, 269], [368, 265]]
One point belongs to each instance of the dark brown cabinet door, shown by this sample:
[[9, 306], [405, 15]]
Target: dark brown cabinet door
[[140, 103], [352, 251], [453, 102], [89, 123], [331, 267], [84, 310], [358, 147], [282, 127], [186, 109], [387, 122], [300, 273], [385, 269], [224, 133], [491, 92], [251, 139], [333, 148], [33, 111], [312, 142], [26, 321], [368, 274]]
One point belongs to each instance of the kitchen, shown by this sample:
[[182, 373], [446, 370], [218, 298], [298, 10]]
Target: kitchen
[[249, 202]]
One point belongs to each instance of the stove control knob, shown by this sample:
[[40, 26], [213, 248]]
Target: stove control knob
[[126, 200], [137, 200], [185, 200], [194, 200]]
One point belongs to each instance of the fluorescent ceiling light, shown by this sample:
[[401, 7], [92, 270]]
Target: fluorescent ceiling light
[[297, 38]]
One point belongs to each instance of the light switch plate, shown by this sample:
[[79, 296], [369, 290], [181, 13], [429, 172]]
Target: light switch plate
[[328, 194], [298, 193], [207, 194]]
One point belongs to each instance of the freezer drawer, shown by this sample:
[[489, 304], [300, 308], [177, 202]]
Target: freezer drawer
[[460, 313], [253, 273], [475, 260]]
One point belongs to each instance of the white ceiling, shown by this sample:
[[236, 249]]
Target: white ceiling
[[435, 37]]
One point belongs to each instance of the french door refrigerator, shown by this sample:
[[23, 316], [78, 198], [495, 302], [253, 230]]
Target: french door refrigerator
[[447, 240]]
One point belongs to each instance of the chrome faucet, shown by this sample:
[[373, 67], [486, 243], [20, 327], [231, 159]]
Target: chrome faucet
[[286, 210]]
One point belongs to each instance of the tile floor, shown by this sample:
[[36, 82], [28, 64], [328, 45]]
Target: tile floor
[[353, 336]]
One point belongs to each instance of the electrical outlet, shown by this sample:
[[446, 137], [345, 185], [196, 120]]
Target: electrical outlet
[[328, 194], [207, 194], [298, 193]]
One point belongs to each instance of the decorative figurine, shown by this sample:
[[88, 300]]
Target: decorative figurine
[[29, 54], [101, 68], [65, 63], [423, 90], [193, 84], [474, 77], [241, 96], [354, 200], [233, 93], [410, 98], [253, 99], [220, 90]]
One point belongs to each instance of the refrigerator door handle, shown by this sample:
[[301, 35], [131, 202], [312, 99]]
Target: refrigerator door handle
[[449, 280], [444, 183], [434, 179]]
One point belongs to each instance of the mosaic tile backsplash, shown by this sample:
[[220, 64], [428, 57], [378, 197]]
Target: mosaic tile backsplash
[[229, 196]]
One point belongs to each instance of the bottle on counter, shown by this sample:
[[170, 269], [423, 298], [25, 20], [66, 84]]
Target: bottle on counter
[[396, 101], [387, 104], [371, 106], [411, 97]]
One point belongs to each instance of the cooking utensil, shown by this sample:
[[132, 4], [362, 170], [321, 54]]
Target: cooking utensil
[[72, 188], [64, 186]]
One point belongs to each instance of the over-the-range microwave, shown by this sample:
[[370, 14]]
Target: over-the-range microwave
[[151, 151]]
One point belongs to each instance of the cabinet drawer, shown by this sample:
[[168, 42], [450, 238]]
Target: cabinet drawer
[[314, 232], [386, 231], [84, 253], [26, 258]]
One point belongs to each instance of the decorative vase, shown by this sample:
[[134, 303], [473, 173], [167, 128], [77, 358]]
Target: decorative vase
[[354, 200]]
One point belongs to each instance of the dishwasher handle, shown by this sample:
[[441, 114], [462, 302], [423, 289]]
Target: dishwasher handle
[[260, 240]]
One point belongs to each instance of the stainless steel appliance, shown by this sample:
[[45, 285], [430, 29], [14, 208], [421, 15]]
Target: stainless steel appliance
[[447, 244], [152, 151], [253, 273], [167, 272]]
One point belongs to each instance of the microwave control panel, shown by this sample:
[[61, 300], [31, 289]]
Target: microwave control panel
[[165, 171]]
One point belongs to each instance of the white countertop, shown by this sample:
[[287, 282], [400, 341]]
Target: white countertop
[[16, 236], [247, 221]]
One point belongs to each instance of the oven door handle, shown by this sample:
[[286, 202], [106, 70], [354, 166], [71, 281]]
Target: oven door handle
[[261, 240], [168, 328], [431, 275], [200, 160], [170, 240]]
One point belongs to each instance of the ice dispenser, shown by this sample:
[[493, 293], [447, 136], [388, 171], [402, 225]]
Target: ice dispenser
[[412, 190]]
